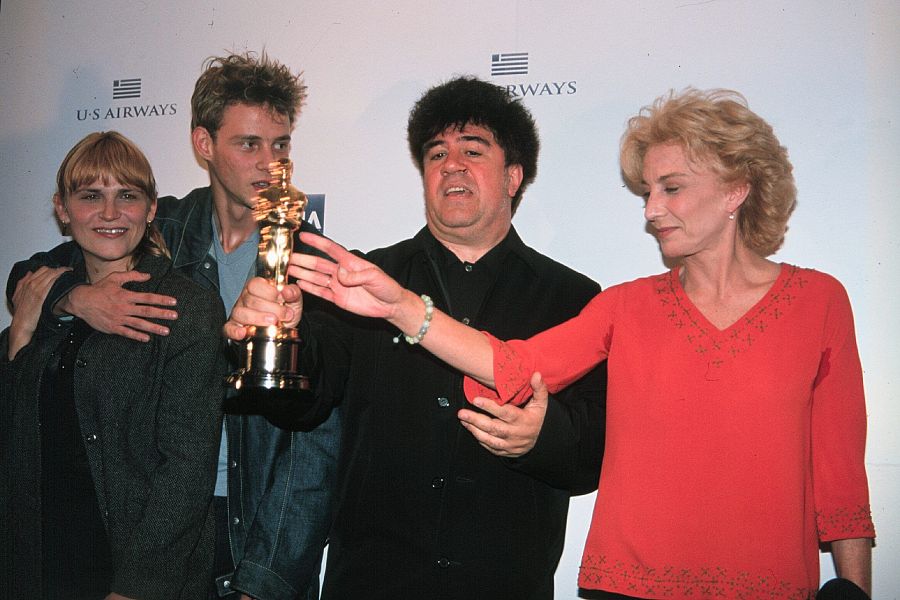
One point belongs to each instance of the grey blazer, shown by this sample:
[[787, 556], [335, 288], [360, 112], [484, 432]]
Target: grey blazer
[[151, 417]]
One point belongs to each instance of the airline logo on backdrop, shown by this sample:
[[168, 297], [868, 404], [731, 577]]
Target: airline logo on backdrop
[[505, 64], [124, 93], [315, 211], [509, 63], [126, 88]]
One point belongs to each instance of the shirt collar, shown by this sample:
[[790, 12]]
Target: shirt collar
[[493, 260]]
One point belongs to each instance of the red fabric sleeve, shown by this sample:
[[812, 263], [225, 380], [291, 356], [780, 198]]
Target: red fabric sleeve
[[838, 431], [562, 354]]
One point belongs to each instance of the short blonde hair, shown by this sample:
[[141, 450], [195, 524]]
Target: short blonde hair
[[109, 155], [717, 129]]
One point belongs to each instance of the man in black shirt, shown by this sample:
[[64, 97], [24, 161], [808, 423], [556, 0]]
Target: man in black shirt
[[438, 499]]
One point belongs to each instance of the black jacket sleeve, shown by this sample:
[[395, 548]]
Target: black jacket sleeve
[[569, 449]]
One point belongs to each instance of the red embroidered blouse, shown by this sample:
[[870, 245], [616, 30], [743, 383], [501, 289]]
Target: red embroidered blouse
[[729, 454]]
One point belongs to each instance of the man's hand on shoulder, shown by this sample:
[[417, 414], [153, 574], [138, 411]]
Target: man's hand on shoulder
[[109, 308]]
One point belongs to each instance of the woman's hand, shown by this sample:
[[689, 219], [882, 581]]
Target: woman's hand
[[350, 282], [360, 287], [31, 291]]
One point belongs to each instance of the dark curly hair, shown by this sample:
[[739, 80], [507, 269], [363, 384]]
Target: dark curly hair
[[248, 79], [469, 100]]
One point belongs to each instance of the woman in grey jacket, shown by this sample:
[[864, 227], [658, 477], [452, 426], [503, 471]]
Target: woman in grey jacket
[[108, 445]]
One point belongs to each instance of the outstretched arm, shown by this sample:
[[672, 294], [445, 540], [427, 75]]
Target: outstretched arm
[[360, 287]]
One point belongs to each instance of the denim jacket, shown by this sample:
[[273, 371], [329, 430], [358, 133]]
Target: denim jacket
[[279, 481]]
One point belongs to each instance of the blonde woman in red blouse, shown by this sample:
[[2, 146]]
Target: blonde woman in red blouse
[[736, 417]]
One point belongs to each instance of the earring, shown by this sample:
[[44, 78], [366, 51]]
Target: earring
[[731, 216]]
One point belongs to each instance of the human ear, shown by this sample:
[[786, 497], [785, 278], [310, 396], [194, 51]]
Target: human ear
[[202, 140], [60, 209], [737, 195], [514, 174]]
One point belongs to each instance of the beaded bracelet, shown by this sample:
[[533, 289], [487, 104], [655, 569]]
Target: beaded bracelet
[[429, 311]]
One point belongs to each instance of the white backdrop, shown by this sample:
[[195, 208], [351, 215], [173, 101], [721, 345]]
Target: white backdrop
[[823, 72]]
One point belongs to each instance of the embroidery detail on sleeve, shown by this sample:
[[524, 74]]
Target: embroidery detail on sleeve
[[510, 374], [852, 522]]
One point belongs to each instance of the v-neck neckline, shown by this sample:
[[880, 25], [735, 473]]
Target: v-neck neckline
[[766, 299]]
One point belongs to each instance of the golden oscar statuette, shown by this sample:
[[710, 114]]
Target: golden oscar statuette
[[269, 357]]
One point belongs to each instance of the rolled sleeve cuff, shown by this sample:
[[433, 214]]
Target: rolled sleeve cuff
[[511, 376]]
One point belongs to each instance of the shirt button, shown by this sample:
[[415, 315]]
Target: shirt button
[[80, 363], [236, 521], [443, 402], [233, 464], [468, 268], [226, 584], [466, 320], [442, 562], [90, 438], [206, 265], [437, 483]]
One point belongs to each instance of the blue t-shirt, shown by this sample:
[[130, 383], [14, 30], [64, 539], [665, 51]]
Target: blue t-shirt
[[235, 268]]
